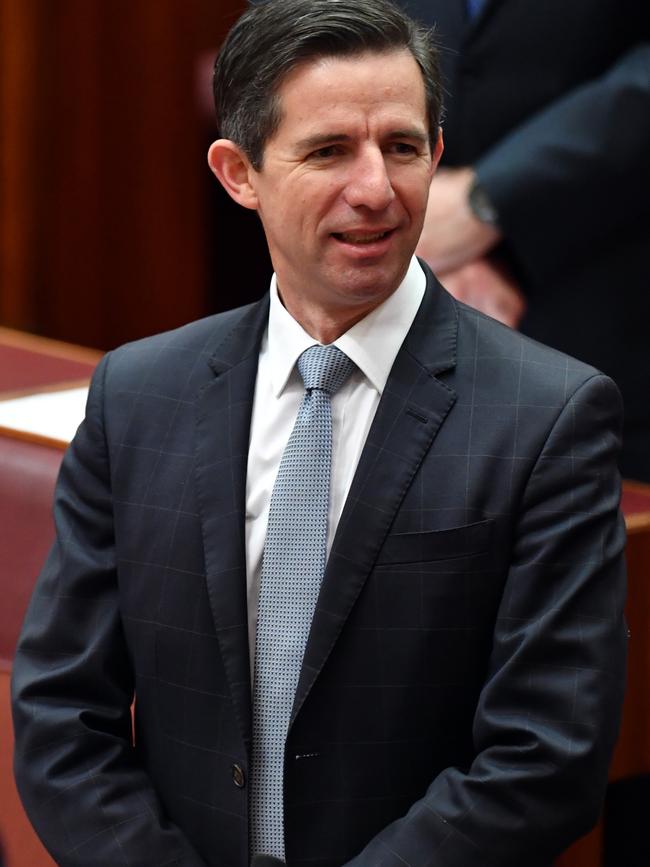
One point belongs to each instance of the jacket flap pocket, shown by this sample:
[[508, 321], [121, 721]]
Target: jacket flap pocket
[[436, 544]]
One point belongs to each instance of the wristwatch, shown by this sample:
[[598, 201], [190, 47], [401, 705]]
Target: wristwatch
[[481, 205]]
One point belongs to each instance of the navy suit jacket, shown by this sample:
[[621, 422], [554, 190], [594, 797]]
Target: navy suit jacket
[[460, 691]]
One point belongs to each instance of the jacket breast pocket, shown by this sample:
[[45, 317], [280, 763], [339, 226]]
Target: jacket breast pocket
[[425, 547], [439, 588]]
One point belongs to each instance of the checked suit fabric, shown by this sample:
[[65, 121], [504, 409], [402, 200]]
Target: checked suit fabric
[[293, 564]]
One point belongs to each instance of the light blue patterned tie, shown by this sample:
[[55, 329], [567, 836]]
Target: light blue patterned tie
[[292, 569]]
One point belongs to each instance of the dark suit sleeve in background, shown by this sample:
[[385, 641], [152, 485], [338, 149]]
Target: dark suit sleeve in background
[[575, 174], [548, 714], [76, 768]]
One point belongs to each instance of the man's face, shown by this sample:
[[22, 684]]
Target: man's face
[[342, 191]]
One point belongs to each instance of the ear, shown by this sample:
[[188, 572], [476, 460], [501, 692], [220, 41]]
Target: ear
[[233, 170], [437, 152]]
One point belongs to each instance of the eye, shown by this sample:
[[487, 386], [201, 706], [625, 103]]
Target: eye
[[324, 152], [404, 148]]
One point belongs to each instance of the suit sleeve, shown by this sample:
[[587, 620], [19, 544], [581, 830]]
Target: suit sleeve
[[77, 771], [575, 174], [548, 713]]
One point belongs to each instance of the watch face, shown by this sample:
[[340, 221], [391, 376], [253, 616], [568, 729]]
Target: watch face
[[481, 206]]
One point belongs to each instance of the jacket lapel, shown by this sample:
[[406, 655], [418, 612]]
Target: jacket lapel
[[412, 408], [222, 433]]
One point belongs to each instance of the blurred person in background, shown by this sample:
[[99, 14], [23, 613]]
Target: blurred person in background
[[540, 214]]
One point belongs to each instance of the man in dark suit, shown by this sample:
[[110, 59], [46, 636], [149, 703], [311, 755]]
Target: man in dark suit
[[457, 696], [545, 194]]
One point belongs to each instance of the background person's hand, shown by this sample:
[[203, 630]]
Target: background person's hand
[[488, 287], [452, 236]]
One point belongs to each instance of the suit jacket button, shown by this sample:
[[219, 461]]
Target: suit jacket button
[[238, 776]]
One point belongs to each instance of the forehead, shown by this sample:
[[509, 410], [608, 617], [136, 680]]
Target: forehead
[[372, 87]]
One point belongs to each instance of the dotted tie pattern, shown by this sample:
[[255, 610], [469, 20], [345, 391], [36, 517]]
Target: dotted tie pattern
[[293, 564]]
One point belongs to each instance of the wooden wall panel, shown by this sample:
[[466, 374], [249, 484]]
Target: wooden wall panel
[[104, 231], [17, 192]]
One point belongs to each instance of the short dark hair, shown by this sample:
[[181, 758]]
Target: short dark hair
[[272, 38]]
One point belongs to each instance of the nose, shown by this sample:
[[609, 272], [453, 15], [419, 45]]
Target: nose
[[368, 184]]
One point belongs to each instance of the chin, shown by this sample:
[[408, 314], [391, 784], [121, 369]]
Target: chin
[[375, 284], [361, 295]]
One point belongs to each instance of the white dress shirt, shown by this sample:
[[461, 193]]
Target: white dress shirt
[[372, 344]]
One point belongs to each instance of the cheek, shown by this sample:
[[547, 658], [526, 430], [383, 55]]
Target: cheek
[[322, 192], [415, 198]]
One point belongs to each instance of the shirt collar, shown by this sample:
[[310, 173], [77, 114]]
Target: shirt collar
[[372, 344]]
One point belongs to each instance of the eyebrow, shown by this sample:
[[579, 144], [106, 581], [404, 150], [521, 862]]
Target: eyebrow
[[412, 133], [316, 141], [322, 139]]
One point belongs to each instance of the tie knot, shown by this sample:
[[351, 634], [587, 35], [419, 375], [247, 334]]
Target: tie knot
[[324, 367]]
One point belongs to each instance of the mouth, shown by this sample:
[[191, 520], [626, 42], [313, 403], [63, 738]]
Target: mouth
[[362, 238]]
